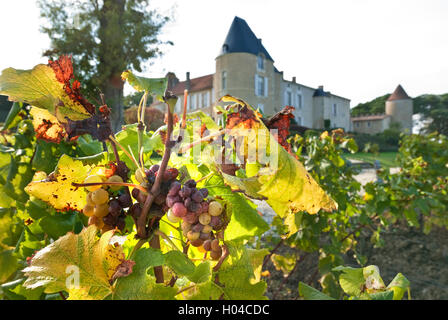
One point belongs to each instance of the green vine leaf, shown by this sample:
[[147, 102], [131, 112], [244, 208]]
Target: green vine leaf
[[39, 87], [309, 293], [155, 86]]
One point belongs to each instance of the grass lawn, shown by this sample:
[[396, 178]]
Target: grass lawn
[[387, 159]]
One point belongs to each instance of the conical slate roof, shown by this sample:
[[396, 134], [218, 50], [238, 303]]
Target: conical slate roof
[[240, 38], [399, 94]]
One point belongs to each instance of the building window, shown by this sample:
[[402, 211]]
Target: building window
[[200, 100], [224, 80], [299, 101], [260, 62], [206, 99], [193, 102], [288, 98], [368, 124], [357, 124], [335, 110], [299, 120], [260, 86]]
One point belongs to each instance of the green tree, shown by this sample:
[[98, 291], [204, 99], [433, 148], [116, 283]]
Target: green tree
[[105, 38]]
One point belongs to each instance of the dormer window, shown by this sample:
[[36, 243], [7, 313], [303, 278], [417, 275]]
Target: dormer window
[[225, 48], [260, 62]]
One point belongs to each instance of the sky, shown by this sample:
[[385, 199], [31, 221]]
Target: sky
[[359, 49]]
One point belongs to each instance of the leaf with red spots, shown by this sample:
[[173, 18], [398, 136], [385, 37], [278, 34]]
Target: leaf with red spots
[[280, 122], [281, 179], [57, 190]]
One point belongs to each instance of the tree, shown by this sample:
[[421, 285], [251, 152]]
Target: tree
[[105, 38]]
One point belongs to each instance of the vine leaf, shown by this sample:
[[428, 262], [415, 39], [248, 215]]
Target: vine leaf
[[57, 190], [236, 275], [155, 86], [141, 285], [309, 293], [285, 183], [47, 126], [47, 87], [96, 260]]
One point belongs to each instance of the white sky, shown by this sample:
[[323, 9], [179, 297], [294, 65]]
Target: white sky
[[359, 49]]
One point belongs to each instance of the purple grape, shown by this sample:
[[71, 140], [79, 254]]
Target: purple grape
[[114, 207], [191, 218], [204, 236], [190, 183], [216, 222], [170, 174], [171, 200], [204, 192], [187, 202], [179, 210], [195, 207], [154, 168], [135, 193], [125, 200], [204, 206], [197, 196], [110, 220], [197, 227], [135, 210], [185, 192], [121, 223], [174, 188]]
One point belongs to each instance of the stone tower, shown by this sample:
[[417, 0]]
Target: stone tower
[[399, 107], [245, 69]]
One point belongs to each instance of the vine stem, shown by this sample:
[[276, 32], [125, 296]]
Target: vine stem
[[184, 114], [141, 227], [205, 139], [165, 237], [223, 257], [266, 259]]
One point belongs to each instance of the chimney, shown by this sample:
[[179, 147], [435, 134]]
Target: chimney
[[294, 79], [188, 84], [321, 88]]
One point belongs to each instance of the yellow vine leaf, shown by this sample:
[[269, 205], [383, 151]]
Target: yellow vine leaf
[[57, 190], [286, 184], [80, 264]]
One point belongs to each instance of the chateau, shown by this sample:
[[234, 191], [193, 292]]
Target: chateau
[[246, 70], [399, 109]]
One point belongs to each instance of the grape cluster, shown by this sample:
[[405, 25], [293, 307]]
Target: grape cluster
[[146, 178], [105, 204], [201, 219]]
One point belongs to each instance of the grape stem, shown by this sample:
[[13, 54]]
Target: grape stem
[[123, 184], [225, 254]]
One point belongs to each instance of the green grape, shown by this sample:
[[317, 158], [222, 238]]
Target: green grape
[[186, 226], [88, 210], [215, 208], [140, 176], [207, 228], [204, 219], [89, 200], [93, 179], [171, 217], [100, 196], [192, 236], [101, 210], [115, 179]]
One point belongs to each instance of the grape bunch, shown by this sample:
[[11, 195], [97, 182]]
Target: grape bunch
[[146, 178], [201, 219], [105, 204]]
